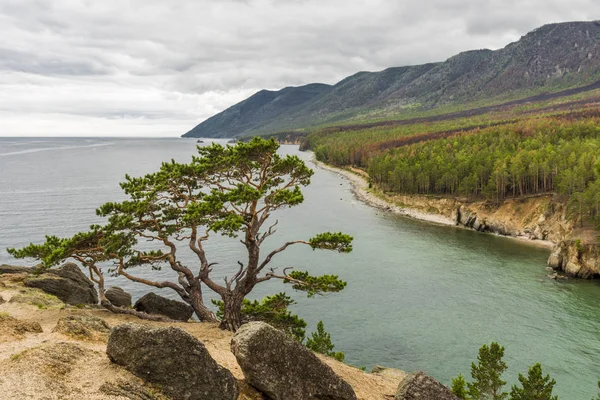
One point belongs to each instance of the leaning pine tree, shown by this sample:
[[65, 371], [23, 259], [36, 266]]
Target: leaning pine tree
[[225, 190]]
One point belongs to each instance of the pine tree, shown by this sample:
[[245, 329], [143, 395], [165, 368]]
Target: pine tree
[[535, 386], [320, 342], [459, 387], [487, 384]]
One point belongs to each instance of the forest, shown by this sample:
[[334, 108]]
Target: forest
[[557, 154]]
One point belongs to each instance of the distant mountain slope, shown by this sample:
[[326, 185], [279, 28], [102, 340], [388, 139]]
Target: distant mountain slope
[[550, 58], [258, 109]]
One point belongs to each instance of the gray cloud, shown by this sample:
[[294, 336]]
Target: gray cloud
[[77, 64]]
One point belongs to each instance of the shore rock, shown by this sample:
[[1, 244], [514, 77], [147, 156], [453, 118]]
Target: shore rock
[[419, 386], [152, 303], [67, 283], [173, 360], [282, 368], [576, 259], [85, 327], [118, 297], [13, 269]]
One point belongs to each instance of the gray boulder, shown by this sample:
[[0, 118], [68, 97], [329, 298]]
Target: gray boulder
[[173, 360], [419, 386], [13, 269], [282, 368], [118, 297], [67, 283], [152, 303]]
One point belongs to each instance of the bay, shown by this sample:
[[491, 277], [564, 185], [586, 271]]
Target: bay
[[419, 296]]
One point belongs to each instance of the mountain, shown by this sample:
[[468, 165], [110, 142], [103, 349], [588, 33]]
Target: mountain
[[550, 58], [258, 109]]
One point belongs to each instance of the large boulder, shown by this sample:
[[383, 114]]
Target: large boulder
[[118, 297], [419, 386], [173, 360], [152, 303], [67, 283], [282, 368]]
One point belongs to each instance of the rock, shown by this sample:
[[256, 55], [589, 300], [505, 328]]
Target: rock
[[391, 373], [419, 386], [2, 300], [67, 283], [10, 326], [282, 368], [13, 269], [83, 327], [172, 359], [130, 390], [154, 304], [54, 359], [118, 297]]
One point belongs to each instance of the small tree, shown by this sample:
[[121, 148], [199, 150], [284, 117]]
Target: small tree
[[459, 387], [226, 190], [535, 386], [487, 383], [320, 342], [598, 395]]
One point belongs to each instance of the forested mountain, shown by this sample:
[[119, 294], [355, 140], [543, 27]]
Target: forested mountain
[[550, 58]]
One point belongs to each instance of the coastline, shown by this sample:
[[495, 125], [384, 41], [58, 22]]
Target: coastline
[[360, 189]]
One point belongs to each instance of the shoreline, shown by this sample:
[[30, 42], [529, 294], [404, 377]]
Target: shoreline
[[360, 189]]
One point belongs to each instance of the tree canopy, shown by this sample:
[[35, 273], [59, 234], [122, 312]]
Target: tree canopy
[[224, 190]]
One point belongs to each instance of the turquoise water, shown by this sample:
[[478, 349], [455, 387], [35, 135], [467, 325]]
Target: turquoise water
[[419, 296]]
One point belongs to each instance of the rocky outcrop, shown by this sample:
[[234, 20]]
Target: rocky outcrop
[[118, 297], [282, 368], [67, 283], [173, 360], [577, 259], [152, 303], [84, 326], [13, 269], [420, 386]]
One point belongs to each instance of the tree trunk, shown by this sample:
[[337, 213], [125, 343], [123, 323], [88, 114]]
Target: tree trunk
[[197, 303], [232, 312]]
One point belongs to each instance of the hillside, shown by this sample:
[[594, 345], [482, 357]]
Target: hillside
[[262, 107], [549, 59]]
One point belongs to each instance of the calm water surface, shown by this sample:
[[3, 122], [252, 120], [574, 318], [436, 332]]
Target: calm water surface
[[419, 296]]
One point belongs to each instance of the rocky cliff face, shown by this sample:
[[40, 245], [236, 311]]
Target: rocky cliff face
[[536, 218], [581, 260]]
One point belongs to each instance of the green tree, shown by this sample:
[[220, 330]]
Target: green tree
[[226, 190], [535, 386], [459, 387], [273, 310], [320, 342], [487, 383]]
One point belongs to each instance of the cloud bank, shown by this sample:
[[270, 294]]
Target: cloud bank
[[156, 68]]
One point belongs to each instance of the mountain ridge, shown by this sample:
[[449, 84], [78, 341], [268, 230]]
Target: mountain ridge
[[552, 57]]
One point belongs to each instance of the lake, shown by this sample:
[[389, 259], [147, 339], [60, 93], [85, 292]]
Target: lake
[[419, 296]]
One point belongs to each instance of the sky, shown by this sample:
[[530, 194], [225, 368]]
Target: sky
[[158, 68]]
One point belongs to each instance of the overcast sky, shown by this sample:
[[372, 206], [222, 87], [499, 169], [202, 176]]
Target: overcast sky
[[157, 68]]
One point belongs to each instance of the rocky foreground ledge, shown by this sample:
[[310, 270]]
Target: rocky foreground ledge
[[51, 350]]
